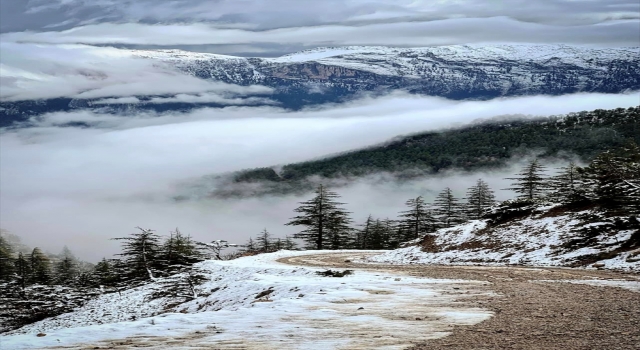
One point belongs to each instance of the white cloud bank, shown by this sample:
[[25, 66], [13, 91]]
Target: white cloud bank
[[79, 71], [422, 33], [83, 186]]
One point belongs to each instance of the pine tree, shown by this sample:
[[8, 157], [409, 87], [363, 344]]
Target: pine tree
[[277, 245], [103, 273], [66, 268], [327, 224], [361, 240], [416, 221], [6, 260], [288, 243], [40, 266], [613, 180], [263, 242], [479, 199], [447, 209], [140, 252], [177, 252], [339, 230], [66, 271], [22, 270], [380, 236], [530, 182], [567, 185], [394, 232], [250, 246]]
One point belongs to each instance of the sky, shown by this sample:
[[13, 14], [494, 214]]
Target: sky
[[71, 186], [274, 27]]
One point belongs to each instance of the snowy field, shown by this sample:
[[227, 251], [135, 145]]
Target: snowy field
[[364, 310]]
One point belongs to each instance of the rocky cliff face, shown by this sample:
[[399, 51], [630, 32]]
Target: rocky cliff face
[[334, 74], [452, 72]]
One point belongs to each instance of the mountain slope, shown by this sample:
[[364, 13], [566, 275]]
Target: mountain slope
[[486, 144], [336, 74], [257, 303], [468, 71], [532, 235]]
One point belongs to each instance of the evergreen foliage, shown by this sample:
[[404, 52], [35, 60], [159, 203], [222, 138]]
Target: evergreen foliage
[[183, 286], [30, 289], [22, 270], [417, 220], [488, 144], [326, 223], [6, 260], [103, 274], [264, 242], [289, 244], [479, 199], [40, 267], [250, 246], [177, 252], [613, 179], [338, 229], [376, 234], [363, 235], [66, 271], [567, 186], [447, 209], [530, 183], [140, 251]]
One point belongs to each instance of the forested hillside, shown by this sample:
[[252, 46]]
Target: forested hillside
[[485, 144]]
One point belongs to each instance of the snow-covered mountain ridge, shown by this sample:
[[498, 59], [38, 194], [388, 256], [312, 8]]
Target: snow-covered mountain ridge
[[334, 75], [533, 236], [501, 69]]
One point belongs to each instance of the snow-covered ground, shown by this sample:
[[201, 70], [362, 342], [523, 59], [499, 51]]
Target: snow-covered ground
[[538, 240], [448, 62], [365, 310]]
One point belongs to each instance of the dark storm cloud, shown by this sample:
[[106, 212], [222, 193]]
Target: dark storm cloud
[[260, 14], [442, 32], [277, 26]]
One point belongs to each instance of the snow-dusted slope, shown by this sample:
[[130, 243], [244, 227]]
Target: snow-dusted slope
[[415, 61], [330, 75], [256, 303], [545, 237], [494, 69], [419, 62]]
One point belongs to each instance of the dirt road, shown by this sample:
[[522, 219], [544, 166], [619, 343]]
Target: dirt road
[[533, 309]]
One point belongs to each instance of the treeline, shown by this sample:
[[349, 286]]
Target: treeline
[[35, 285], [484, 145], [611, 182], [266, 243]]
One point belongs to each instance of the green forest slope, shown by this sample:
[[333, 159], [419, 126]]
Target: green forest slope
[[478, 146]]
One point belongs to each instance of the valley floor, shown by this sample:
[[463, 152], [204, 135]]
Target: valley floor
[[378, 307], [534, 308]]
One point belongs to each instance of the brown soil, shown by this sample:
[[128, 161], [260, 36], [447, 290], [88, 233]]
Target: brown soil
[[529, 312]]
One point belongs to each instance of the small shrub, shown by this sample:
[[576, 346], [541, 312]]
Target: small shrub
[[331, 273]]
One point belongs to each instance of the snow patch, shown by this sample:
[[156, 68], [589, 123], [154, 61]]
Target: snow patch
[[541, 239], [364, 310]]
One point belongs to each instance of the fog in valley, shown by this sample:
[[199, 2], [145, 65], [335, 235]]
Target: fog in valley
[[79, 186]]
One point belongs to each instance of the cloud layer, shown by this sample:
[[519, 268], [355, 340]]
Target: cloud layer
[[430, 33], [256, 27], [79, 71], [84, 185]]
